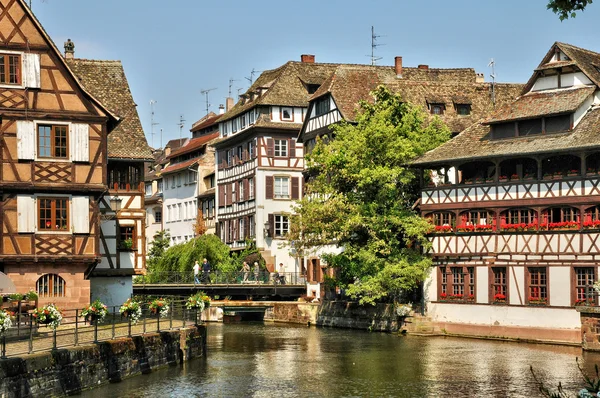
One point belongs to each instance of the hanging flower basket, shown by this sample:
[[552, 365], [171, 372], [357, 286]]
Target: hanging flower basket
[[48, 315], [95, 312], [198, 301], [131, 310], [159, 307], [5, 321]]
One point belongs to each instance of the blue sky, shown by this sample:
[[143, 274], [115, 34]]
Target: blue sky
[[172, 50]]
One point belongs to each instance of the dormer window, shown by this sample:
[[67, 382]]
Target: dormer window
[[436, 109], [287, 114], [312, 88], [322, 106], [530, 127], [463, 109]]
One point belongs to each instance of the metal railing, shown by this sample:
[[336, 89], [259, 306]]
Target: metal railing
[[221, 278], [26, 336]]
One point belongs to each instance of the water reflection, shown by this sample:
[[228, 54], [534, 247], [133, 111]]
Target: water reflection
[[256, 360]]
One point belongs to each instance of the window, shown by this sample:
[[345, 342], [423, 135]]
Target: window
[[157, 215], [250, 188], [179, 212], [124, 176], [499, 292], [51, 285], [241, 190], [436, 109], [477, 220], [53, 214], [504, 130], [281, 148], [250, 149], [287, 114], [322, 106], [529, 127], [239, 153], [537, 286], [241, 229], [233, 193], [251, 117], [558, 124], [234, 125], [149, 189], [458, 282], [229, 157], [463, 109], [282, 188], [10, 69], [281, 225], [243, 119], [524, 128], [127, 238], [178, 179], [584, 280], [443, 221], [52, 141], [561, 218], [517, 216], [251, 226], [459, 285]]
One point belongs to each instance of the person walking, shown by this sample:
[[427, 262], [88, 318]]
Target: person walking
[[245, 271], [196, 273], [256, 271], [205, 271], [281, 274]]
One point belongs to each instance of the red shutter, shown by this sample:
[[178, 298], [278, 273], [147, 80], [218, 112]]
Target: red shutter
[[295, 188], [270, 147], [268, 187], [222, 195], [271, 225], [292, 145]]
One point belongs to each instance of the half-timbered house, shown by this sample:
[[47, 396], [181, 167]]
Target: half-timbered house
[[259, 164], [516, 243], [122, 209], [53, 140], [458, 96]]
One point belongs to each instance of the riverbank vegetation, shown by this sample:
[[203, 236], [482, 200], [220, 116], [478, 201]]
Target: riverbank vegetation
[[361, 195]]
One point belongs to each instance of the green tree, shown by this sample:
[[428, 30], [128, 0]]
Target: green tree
[[361, 195], [158, 246], [567, 8]]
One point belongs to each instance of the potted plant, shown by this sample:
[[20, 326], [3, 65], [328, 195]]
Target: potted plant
[[557, 175], [589, 302], [403, 310], [499, 298], [591, 224], [127, 244], [503, 179], [528, 176], [95, 312], [443, 296], [456, 297], [470, 298], [131, 310], [159, 307], [5, 321], [479, 180], [537, 301], [198, 301], [443, 229], [591, 171], [48, 315], [15, 298], [31, 296], [514, 177], [489, 179], [469, 181], [547, 176], [573, 173]]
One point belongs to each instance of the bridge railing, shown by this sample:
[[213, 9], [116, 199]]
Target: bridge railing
[[221, 278]]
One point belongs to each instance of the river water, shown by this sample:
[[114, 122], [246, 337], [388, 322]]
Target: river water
[[280, 360]]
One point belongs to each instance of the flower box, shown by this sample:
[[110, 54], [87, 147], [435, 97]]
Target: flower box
[[514, 177], [528, 177], [443, 297], [499, 298], [590, 302], [479, 180], [557, 176], [489, 180], [469, 182], [537, 301], [591, 224], [503, 179], [565, 225], [443, 229]]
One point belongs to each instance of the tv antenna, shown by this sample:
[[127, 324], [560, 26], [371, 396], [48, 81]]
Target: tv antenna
[[181, 124], [251, 78], [238, 91], [492, 64], [231, 85], [152, 122], [205, 92], [374, 46]]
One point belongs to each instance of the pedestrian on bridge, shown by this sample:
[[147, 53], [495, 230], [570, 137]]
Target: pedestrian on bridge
[[246, 271], [205, 271], [196, 273], [256, 271]]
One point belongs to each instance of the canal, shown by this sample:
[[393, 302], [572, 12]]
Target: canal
[[266, 360]]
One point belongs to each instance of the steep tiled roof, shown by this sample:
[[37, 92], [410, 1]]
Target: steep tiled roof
[[179, 166], [539, 103], [206, 121], [107, 82], [194, 144]]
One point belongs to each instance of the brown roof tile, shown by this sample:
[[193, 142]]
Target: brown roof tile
[[107, 82], [204, 122], [194, 144], [172, 168]]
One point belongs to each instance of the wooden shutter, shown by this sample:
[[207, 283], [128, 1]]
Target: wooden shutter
[[268, 187], [221, 195], [79, 142], [295, 188], [270, 147], [234, 230], [246, 227], [25, 140], [292, 146], [246, 189], [26, 213], [271, 225], [220, 160], [234, 193], [80, 214], [31, 70]]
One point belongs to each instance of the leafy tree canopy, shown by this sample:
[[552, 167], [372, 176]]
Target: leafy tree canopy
[[566, 9], [361, 197]]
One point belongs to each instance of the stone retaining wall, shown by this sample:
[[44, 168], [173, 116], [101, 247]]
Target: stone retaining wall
[[71, 370], [293, 312], [342, 314]]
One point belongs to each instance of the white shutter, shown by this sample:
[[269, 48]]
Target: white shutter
[[31, 70], [25, 213], [79, 142], [80, 214], [25, 140]]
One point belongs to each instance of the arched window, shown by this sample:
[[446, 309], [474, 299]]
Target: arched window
[[563, 217], [559, 166], [443, 221], [591, 219], [476, 172], [519, 220], [51, 285], [476, 220], [518, 169]]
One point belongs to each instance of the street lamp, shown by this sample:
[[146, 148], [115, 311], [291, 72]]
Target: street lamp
[[115, 203], [267, 228]]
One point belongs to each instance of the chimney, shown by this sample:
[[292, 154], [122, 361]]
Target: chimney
[[307, 58], [398, 66], [69, 49], [221, 109], [479, 78], [228, 104], [423, 67]]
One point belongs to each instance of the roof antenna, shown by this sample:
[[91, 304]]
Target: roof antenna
[[374, 46], [180, 124], [205, 92], [231, 85], [238, 91], [152, 122], [252, 73], [493, 76]]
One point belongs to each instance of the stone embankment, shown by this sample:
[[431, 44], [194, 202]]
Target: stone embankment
[[71, 370], [342, 314]]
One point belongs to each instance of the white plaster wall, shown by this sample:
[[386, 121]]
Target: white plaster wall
[[482, 284], [430, 285], [516, 285], [502, 315], [574, 79], [559, 280], [174, 196], [112, 291], [582, 110], [545, 83]]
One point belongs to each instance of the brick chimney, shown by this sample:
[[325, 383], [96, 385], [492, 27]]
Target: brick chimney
[[479, 78], [69, 49], [221, 109], [423, 67], [307, 58], [398, 67], [228, 104]]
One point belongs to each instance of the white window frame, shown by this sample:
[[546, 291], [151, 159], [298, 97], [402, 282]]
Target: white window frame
[[291, 112], [241, 229], [280, 148], [251, 188], [282, 225], [281, 187], [241, 189]]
